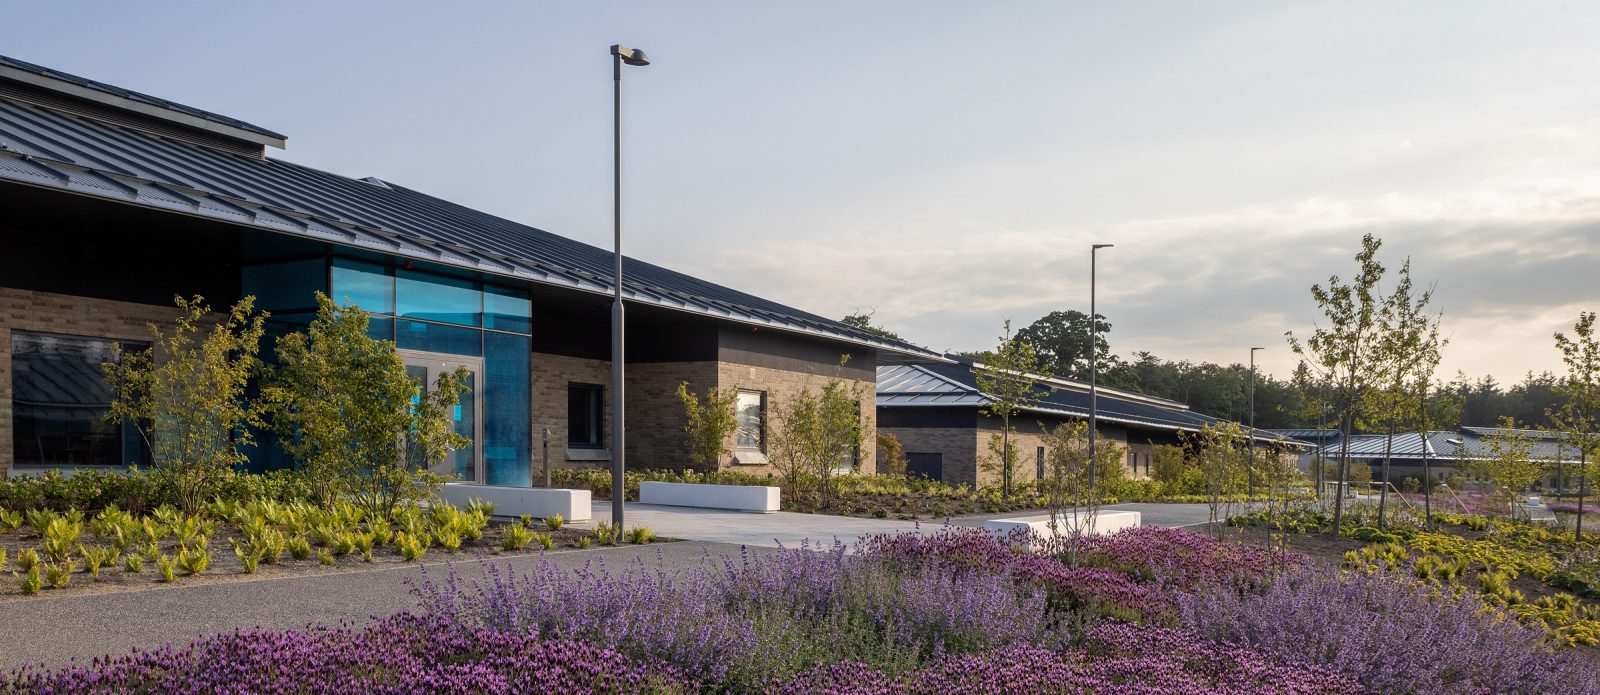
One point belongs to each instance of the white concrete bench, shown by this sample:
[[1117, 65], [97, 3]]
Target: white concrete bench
[[538, 502], [1107, 521], [745, 498]]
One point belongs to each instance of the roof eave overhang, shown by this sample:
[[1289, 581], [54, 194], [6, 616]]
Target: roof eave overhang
[[411, 249], [188, 120]]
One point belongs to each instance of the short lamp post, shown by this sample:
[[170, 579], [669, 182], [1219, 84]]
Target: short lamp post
[[1251, 470], [632, 56], [1094, 334]]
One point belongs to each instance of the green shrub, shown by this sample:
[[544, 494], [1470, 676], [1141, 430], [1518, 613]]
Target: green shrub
[[605, 533], [58, 574], [132, 563], [411, 547], [299, 547], [640, 535], [516, 538], [29, 581], [194, 560], [95, 557], [167, 568], [554, 522], [546, 540], [325, 558]]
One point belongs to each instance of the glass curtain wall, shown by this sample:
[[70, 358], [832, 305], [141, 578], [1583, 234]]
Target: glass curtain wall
[[453, 316]]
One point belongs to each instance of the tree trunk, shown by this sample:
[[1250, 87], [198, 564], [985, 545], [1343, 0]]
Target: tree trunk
[[1427, 484], [1583, 481], [1344, 472], [1383, 492], [1005, 458]]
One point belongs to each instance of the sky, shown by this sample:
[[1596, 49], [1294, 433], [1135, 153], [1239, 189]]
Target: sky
[[947, 165]]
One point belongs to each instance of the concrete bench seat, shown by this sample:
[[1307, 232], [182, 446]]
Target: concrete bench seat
[[538, 502], [744, 498], [1107, 521]]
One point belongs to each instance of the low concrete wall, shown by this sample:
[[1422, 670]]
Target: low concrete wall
[[747, 498], [1104, 522], [572, 505]]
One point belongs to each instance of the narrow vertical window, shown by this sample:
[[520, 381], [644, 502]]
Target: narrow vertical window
[[1039, 462], [751, 408], [585, 416]]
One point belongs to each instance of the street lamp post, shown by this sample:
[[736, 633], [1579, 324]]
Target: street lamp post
[[1251, 470], [1094, 333], [632, 56]]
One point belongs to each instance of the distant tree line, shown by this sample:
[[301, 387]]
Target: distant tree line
[[1061, 340]]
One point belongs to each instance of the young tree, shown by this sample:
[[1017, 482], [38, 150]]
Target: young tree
[[1510, 466], [818, 433], [1407, 338], [345, 409], [891, 454], [1008, 378], [708, 425], [1072, 497], [1342, 349], [1579, 416], [186, 395], [1220, 456]]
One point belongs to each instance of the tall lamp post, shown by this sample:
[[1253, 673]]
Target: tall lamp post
[[1251, 470], [632, 56], [1094, 333]]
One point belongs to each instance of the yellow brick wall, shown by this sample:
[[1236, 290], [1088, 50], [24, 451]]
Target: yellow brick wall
[[44, 312]]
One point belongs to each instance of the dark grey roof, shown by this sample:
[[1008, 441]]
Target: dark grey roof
[[26, 68], [956, 385], [1471, 443], [44, 147], [1306, 434]]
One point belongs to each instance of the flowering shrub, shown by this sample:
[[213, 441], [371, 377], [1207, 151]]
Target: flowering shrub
[[404, 653], [762, 615], [1395, 635], [1572, 508], [1092, 589], [1115, 658], [1185, 560]]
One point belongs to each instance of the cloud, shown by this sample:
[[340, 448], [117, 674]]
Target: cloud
[[1509, 266]]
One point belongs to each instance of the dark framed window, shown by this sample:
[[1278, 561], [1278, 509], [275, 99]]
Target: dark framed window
[[59, 400], [1039, 463], [751, 409], [586, 416]]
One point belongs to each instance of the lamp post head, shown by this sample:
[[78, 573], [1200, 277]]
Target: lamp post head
[[1096, 247], [631, 56], [1256, 348]]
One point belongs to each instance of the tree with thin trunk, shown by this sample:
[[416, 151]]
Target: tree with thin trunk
[[1579, 416], [186, 394], [1408, 336], [708, 425], [1343, 348], [1510, 466], [1437, 404], [1008, 377]]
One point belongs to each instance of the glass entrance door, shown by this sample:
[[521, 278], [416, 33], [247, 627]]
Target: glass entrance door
[[466, 463]]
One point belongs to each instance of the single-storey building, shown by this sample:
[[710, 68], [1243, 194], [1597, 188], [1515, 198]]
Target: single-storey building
[[936, 411], [1448, 452], [113, 202]]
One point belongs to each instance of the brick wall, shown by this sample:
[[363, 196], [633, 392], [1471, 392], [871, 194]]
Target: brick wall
[[781, 385], [956, 446], [43, 312]]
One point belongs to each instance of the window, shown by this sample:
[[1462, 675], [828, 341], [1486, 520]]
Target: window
[[59, 401], [585, 415], [366, 285], [1039, 462], [437, 298], [751, 408]]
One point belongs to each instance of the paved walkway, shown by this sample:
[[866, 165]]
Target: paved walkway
[[54, 630], [788, 529]]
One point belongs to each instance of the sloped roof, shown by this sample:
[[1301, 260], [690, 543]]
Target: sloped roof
[[956, 385], [113, 95], [1471, 443], [44, 147]]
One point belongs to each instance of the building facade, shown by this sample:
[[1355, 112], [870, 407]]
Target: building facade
[[113, 203], [936, 410]]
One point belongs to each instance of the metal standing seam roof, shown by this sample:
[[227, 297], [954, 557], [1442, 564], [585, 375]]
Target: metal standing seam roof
[[46, 148], [130, 95], [1442, 446], [946, 385]]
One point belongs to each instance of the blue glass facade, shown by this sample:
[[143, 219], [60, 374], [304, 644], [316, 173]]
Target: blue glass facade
[[483, 324]]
